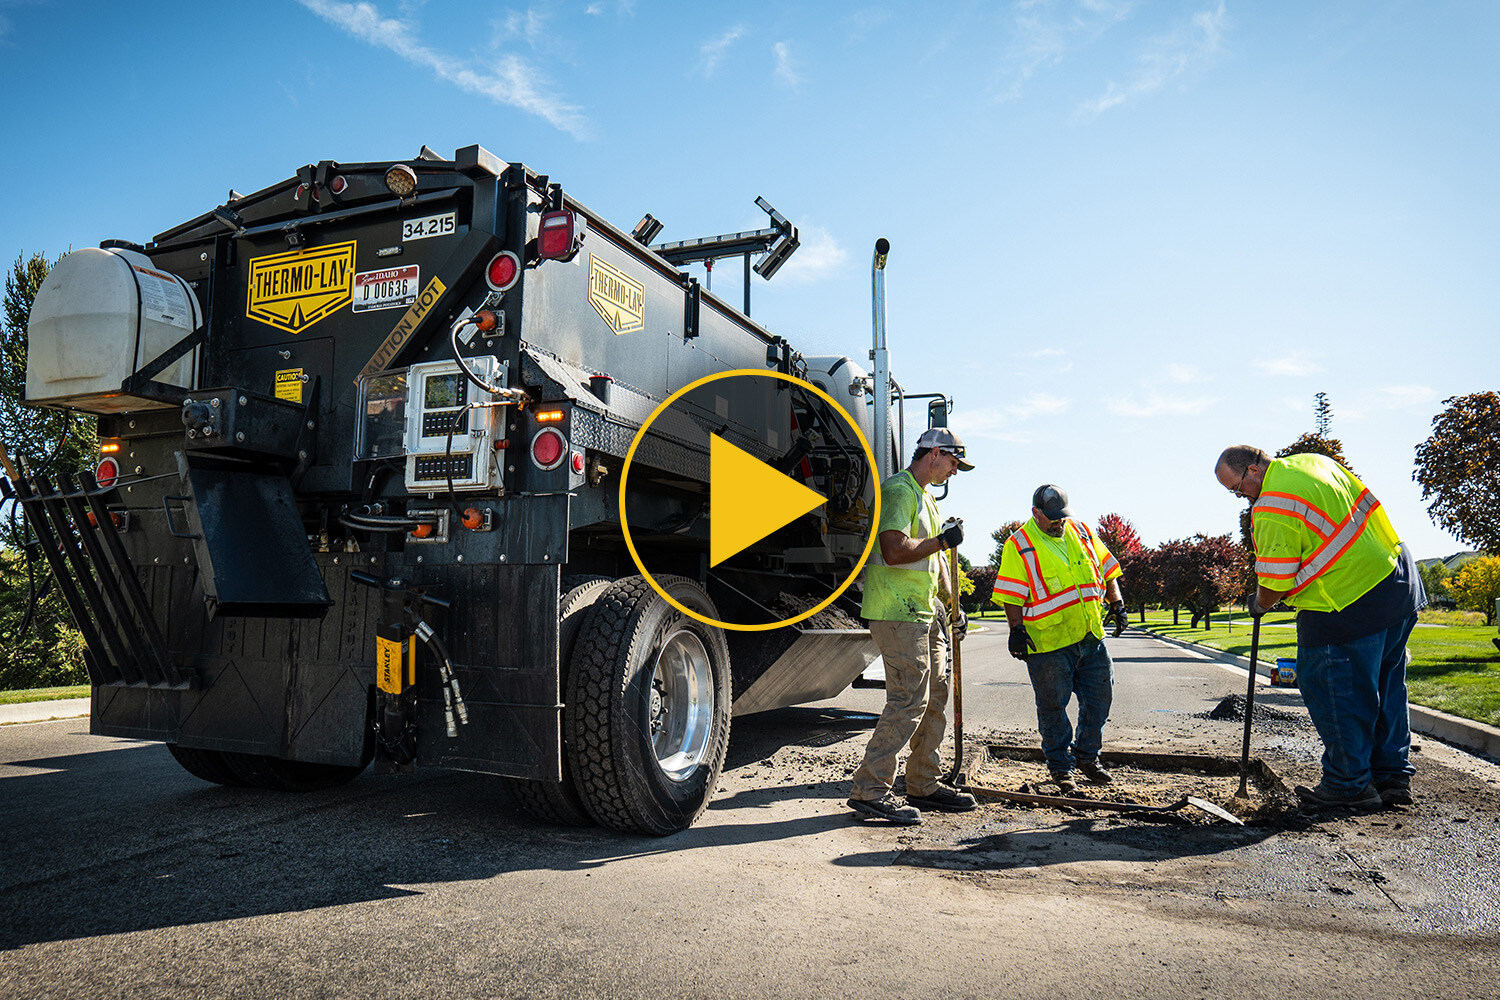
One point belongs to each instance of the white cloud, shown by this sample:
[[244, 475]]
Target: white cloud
[[713, 50], [1294, 365], [818, 256], [989, 424], [1155, 404], [786, 72], [530, 24], [1046, 31], [1408, 395], [1180, 374], [1167, 57], [509, 80]]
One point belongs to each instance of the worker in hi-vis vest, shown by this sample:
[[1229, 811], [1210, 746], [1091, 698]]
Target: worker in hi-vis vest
[[1054, 575], [903, 582], [1324, 546]]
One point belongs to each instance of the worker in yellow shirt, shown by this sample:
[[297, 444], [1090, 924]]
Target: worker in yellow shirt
[[1324, 545], [1054, 575], [903, 580]]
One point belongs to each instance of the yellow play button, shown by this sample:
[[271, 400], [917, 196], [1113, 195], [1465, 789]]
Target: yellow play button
[[684, 449], [749, 500]]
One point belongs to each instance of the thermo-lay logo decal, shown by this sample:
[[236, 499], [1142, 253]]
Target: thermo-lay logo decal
[[618, 299], [292, 291]]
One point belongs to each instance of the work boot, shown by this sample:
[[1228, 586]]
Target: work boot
[[1395, 791], [1092, 771], [1321, 795], [944, 798], [1064, 782], [888, 808]]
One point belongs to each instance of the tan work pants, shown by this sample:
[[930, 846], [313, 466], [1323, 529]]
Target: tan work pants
[[916, 700]]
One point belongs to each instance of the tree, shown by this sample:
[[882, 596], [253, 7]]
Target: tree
[[983, 580], [1435, 576], [1198, 573], [1119, 535], [1317, 444], [1322, 414], [1000, 534], [49, 438], [1458, 467], [1477, 586]]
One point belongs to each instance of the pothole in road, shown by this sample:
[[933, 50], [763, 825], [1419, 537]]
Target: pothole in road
[[1147, 786]]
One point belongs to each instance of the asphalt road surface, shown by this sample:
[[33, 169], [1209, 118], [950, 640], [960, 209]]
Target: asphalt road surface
[[126, 877]]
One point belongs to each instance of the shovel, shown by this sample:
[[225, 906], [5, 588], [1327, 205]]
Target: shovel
[[956, 778], [1249, 709]]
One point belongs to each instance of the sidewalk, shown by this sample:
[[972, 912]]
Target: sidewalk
[[1475, 737], [44, 711]]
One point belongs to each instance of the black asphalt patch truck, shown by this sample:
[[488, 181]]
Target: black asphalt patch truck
[[357, 497]]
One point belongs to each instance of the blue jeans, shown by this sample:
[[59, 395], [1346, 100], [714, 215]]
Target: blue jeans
[[1086, 670], [1356, 695]]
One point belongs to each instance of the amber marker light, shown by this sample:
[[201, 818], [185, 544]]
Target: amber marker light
[[401, 180], [548, 416]]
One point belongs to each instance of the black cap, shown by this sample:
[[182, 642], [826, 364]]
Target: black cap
[[1052, 501]]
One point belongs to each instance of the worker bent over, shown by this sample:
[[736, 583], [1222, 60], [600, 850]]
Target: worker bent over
[[902, 580], [1324, 545], [1054, 574]]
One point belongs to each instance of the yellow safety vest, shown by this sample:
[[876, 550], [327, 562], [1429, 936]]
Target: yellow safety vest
[[1060, 593], [1319, 534], [903, 593]]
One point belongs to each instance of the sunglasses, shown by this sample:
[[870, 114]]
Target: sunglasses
[[955, 452]]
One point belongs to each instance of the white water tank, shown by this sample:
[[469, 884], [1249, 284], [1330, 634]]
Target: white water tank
[[99, 317]]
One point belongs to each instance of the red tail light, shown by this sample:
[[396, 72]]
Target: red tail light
[[107, 472], [556, 240], [503, 271], [548, 448]]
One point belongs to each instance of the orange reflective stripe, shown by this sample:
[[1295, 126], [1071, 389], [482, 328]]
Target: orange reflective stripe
[[1329, 552], [1018, 587], [1033, 565], [1295, 507]]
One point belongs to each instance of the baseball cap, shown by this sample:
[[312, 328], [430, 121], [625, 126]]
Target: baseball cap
[[944, 439], [1052, 501]]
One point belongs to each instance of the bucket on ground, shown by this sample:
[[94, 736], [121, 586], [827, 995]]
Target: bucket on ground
[[1284, 673]]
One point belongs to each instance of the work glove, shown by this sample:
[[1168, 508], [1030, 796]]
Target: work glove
[[961, 626], [953, 534], [1021, 644], [1117, 615], [1253, 606]]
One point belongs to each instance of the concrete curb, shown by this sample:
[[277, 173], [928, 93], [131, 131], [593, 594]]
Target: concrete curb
[[1475, 737], [44, 711]]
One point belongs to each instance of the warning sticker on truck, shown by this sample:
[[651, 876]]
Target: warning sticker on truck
[[289, 384], [292, 291], [393, 288], [618, 299]]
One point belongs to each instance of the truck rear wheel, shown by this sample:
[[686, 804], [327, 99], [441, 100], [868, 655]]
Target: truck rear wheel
[[648, 707], [552, 801]]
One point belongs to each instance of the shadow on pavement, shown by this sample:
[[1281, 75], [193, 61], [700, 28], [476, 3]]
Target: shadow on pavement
[[121, 841]]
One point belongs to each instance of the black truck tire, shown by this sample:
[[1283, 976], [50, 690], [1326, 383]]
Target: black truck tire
[[551, 801], [648, 707], [210, 765]]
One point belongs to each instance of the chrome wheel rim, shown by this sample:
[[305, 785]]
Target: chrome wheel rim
[[680, 712]]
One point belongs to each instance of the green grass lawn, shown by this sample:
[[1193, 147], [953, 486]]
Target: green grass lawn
[[43, 694], [1454, 669]]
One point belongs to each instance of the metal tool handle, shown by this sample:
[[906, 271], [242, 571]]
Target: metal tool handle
[[1249, 708]]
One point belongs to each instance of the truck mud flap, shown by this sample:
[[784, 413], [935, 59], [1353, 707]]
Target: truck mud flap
[[252, 550], [97, 581], [792, 665]]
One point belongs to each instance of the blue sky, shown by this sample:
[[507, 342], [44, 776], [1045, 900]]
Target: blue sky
[[1125, 233]]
